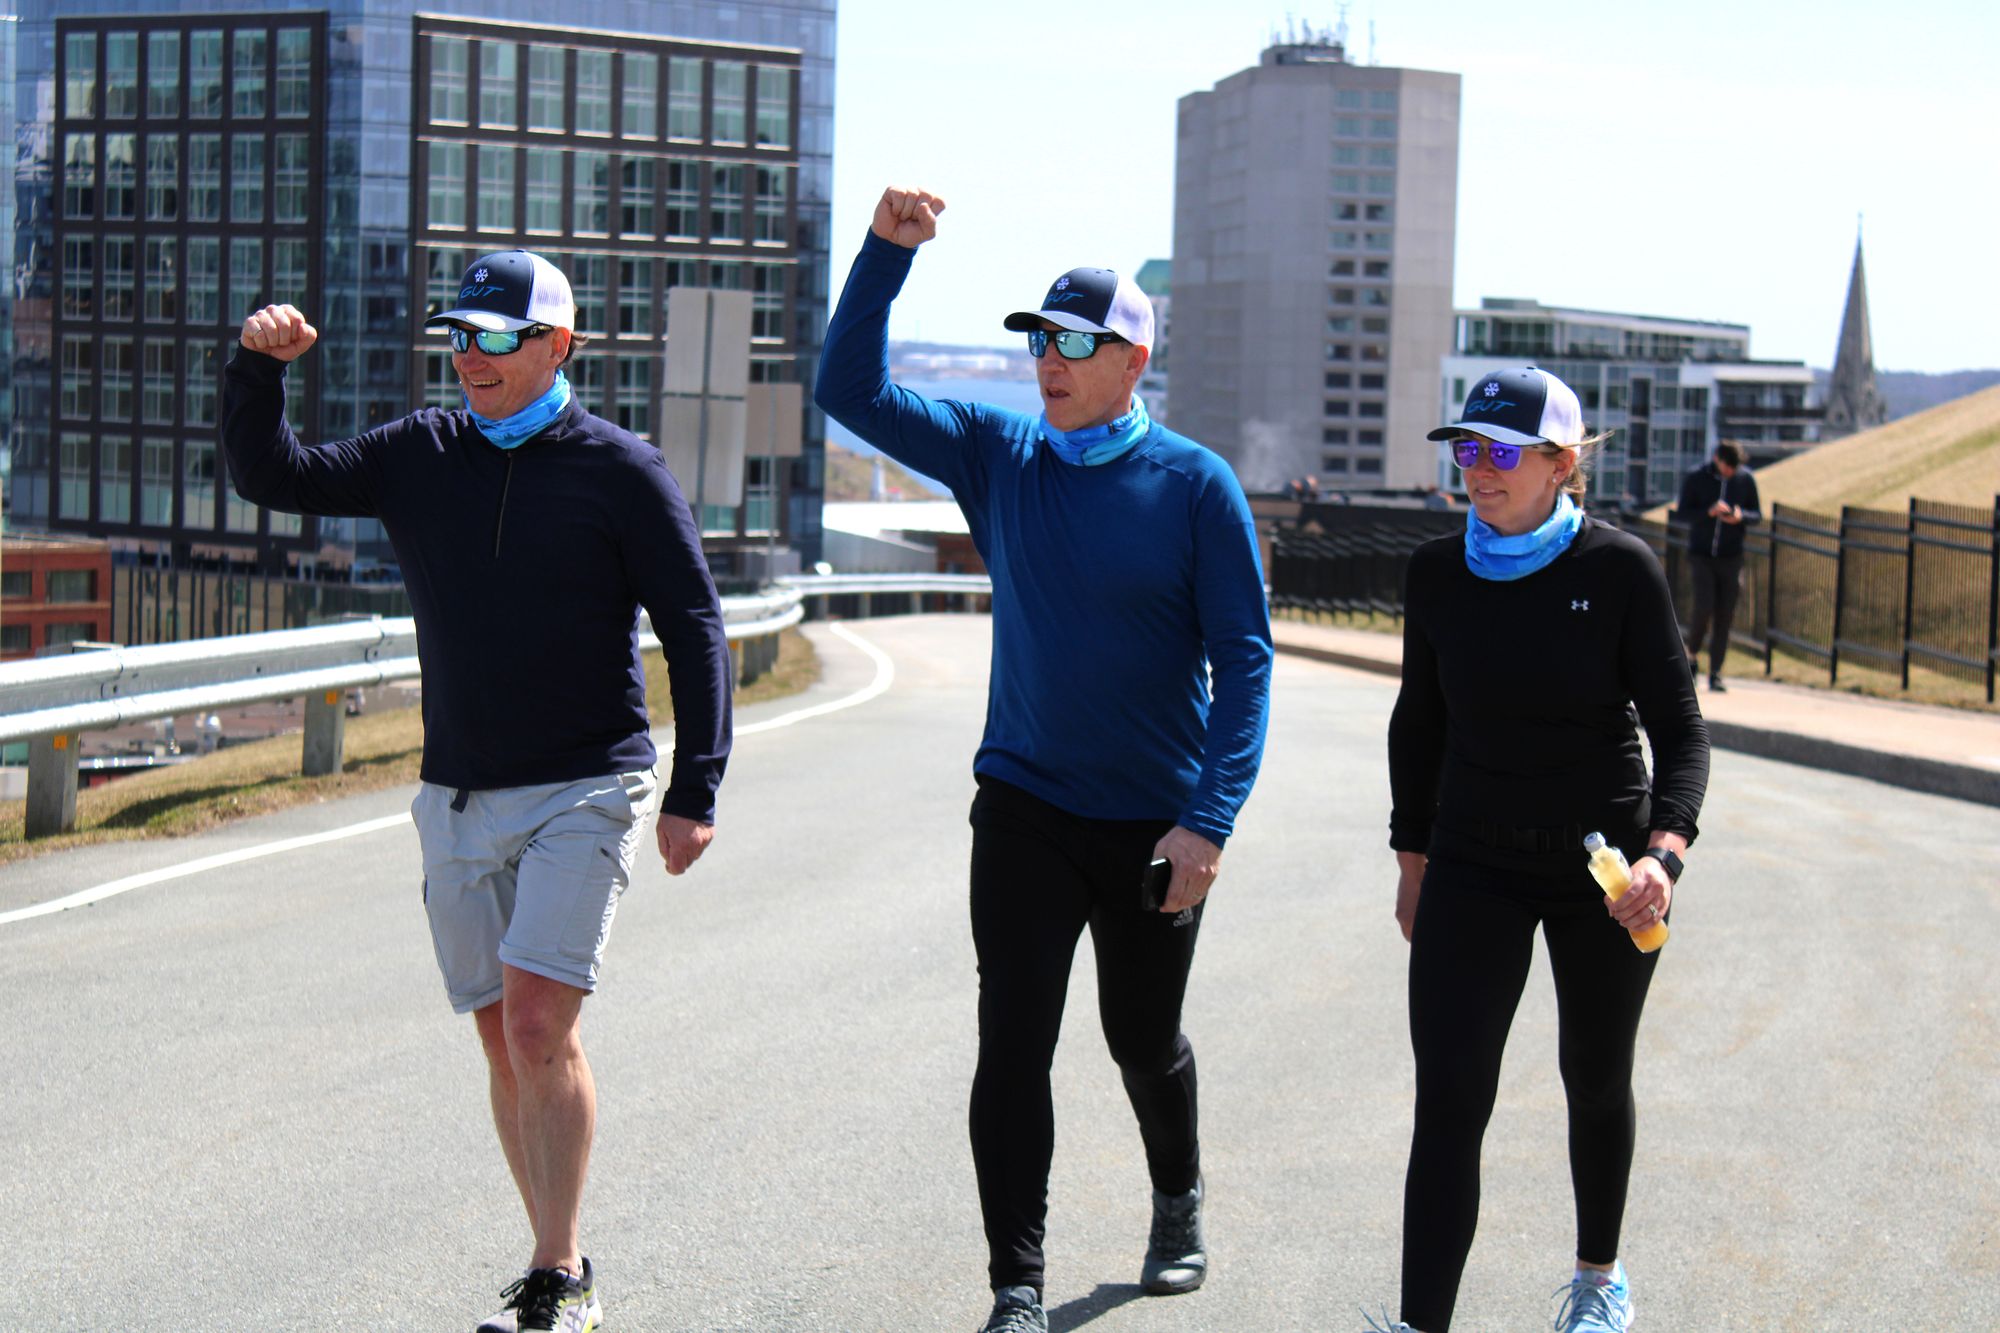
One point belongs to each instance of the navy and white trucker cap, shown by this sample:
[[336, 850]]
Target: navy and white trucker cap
[[1092, 300], [512, 289], [1527, 406]]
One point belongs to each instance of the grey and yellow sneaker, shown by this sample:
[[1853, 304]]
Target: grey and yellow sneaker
[[1016, 1310], [1176, 1255], [548, 1300]]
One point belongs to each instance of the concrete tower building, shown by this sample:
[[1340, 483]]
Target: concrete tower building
[[1853, 403], [1315, 207]]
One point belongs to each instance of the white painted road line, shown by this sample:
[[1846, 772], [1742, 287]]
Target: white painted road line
[[885, 675]]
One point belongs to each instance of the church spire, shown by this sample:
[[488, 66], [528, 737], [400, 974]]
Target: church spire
[[1853, 403]]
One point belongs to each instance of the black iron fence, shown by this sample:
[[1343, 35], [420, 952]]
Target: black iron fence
[[151, 605], [1886, 589]]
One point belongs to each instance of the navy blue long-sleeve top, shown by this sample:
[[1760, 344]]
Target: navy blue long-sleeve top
[[1518, 701], [1131, 663], [526, 570]]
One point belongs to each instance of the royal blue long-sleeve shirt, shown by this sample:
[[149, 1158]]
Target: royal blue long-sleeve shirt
[[1131, 670], [526, 570]]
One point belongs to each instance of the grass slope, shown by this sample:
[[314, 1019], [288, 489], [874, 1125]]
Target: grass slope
[[1949, 453]]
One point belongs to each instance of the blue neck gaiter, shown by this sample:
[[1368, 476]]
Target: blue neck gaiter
[[1099, 444], [530, 421], [1492, 556]]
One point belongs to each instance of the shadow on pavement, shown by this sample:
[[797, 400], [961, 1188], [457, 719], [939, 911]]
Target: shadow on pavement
[[1107, 1297]]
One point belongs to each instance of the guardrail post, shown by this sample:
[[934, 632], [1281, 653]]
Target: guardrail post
[[326, 733], [51, 785]]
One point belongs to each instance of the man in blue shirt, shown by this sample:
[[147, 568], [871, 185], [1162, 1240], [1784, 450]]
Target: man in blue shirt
[[1127, 699]]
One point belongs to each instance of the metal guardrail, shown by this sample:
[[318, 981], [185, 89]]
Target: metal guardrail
[[48, 701]]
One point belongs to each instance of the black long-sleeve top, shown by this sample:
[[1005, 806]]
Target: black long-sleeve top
[[526, 570], [1701, 488], [1517, 706]]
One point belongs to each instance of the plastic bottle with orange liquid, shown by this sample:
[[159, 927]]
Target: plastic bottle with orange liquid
[[1614, 875]]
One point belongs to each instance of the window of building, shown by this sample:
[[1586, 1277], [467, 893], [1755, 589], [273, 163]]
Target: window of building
[[79, 366], [80, 176], [1332, 463], [246, 178], [246, 277], [773, 196], [163, 286], [590, 214], [588, 280], [1381, 240], [1381, 213], [121, 75], [545, 193], [1381, 185], [198, 478], [1375, 268], [114, 480], [1372, 352], [1341, 295], [1381, 156], [1339, 351], [445, 209], [441, 381], [205, 73], [444, 269], [451, 79], [199, 370], [289, 279], [204, 279], [732, 78], [16, 584], [1347, 127], [79, 277], [73, 477], [1344, 240], [1370, 439], [1338, 407], [163, 74], [290, 178], [1381, 127], [1338, 379], [637, 184], [115, 379], [1340, 324], [593, 92], [204, 201], [725, 202], [1346, 155], [247, 73], [546, 79], [1368, 409], [119, 256], [683, 98], [768, 283], [156, 401], [1344, 212], [294, 72], [238, 514], [121, 177], [80, 75], [499, 101], [633, 408], [163, 178], [1341, 268], [635, 297], [1376, 382], [496, 188], [1368, 466], [156, 483], [586, 381], [67, 587], [639, 110], [1333, 435], [1347, 98], [1344, 182], [1382, 99], [683, 211], [774, 107], [1374, 296]]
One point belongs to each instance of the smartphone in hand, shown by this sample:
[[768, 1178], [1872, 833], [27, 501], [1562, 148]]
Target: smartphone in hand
[[1153, 885]]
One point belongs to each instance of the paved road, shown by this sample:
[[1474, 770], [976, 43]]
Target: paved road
[[237, 1098]]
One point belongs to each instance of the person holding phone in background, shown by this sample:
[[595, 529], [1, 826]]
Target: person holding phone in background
[[1125, 572]]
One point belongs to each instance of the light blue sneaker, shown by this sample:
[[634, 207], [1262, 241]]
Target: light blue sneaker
[[1595, 1302], [1387, 1325]]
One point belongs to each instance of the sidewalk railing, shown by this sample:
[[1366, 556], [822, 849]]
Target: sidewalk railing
[[1886, 589]]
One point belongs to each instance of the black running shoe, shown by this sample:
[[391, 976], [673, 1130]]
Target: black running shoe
[[1176, 1255], [1016, 1310]]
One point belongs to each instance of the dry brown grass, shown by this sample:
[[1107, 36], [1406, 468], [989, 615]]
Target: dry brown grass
[[382, 750]]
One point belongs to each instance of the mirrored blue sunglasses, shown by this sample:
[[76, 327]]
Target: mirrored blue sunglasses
[[1072, 344], [494, 343]]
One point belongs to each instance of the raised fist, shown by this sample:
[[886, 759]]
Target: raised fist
[[280, 331], [907, 217]]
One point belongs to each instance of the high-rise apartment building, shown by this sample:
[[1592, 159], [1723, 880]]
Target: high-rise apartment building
[[183, 162], [1315, 205]]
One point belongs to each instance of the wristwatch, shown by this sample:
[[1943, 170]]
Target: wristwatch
[[1668, 861]]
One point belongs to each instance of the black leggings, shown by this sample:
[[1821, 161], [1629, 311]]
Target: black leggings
[[1039, 875], [1469, 956]]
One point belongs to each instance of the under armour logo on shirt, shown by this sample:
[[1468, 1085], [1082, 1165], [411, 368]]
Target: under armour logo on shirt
[[1579, 606]]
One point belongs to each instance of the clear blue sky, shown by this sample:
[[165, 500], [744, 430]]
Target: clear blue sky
[[1704, 159]]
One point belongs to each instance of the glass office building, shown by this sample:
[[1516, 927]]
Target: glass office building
[[182, 164]]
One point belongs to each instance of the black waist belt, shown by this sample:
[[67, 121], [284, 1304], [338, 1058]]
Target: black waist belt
[[1512, 838]]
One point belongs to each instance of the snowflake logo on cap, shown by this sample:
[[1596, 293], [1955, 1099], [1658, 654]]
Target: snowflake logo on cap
[[479, 276], [1062, 284], [1492, 389]]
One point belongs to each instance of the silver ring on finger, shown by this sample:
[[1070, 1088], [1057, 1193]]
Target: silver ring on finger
[[1656, 911]]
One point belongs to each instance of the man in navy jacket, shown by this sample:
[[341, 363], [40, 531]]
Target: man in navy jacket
[[1718, 502], [530, 533]]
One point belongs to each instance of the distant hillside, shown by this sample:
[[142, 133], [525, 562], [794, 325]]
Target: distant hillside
[[1908, 391], [849, 476], [1950, 452]]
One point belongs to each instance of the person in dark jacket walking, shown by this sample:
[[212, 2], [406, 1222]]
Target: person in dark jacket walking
[[1527, 645], [530, 534], [1718, 501]]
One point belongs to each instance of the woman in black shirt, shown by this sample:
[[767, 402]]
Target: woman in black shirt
[[1527, 645]]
